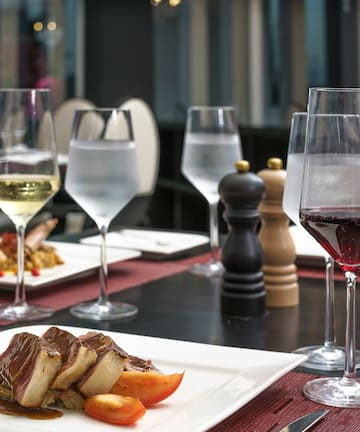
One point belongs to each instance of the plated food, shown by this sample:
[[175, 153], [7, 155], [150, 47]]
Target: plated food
[[38, 255], [90, 372]]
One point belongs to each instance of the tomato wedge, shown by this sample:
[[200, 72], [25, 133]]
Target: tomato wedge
[[150, 387], [115, 409]]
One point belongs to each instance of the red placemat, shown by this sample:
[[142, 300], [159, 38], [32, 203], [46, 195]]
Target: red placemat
[[282, 403], [122, 275], [318, 273]]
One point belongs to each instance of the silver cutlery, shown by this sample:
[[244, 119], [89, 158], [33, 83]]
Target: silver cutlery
[[305, 422]]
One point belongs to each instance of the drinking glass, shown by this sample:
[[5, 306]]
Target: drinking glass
[[330, 212], [29, 177], [211, 149], [329, 356], [102, 177]]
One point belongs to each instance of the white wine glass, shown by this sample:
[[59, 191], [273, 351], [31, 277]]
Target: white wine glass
[[330, 212], [102, 177], [326, 357], [211, 148], [29, 177]]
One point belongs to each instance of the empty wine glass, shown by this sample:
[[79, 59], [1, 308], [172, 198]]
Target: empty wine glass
[[102, 177], [330, 212], [29, 177], [211, 149], [329, 356]]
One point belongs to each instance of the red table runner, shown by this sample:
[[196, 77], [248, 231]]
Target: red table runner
[[319, 273], [283, 402], [122, 275]]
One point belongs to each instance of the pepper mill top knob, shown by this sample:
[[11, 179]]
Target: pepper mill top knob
[[242, 166], [275, 163]]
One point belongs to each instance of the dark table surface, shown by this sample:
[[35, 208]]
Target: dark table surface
[[187, 307]]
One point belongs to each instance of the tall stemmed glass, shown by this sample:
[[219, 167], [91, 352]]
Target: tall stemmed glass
[[330, 212], [102, 177], [329, 356], [211, 149], [29, 176]]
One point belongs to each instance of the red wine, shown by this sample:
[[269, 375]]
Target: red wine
[[338, 231]]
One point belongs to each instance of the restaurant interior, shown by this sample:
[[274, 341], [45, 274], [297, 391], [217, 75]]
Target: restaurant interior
[[232, 338], [258, 56]]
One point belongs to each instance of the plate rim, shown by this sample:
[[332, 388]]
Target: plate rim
[[36, 282]]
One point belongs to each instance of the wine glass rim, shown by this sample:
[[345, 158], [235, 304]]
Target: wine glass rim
[[211, 108], [103, 109], [338, 89], [25, 90]]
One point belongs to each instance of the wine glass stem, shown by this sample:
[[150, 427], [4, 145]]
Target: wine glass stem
[[20, 295], [350, 338], [330, 338], [103, 271], [214, 230]]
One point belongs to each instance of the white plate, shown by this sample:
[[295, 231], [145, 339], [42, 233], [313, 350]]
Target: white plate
[[218, 380], [308, 250], [151, 243], [78, 260]]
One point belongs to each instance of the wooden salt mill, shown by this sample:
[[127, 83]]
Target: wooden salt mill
[[280, 271]]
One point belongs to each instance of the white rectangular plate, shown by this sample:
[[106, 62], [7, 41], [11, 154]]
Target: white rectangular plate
[[218, 380], [78, 260], [151, 243], [308, 250]]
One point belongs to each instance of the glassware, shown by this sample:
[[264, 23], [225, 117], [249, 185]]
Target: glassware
[[102, 177], [330, 212], [211, 149], [326, 357], [29, 177]]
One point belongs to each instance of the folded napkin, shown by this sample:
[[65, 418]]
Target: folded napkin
[[156, 242]]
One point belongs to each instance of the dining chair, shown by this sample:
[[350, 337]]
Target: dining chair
[[71, 217], [146, 137], [63, 119]]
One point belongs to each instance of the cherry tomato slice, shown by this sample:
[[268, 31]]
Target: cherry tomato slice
[[35, 272], [150, 387], [114, 409]]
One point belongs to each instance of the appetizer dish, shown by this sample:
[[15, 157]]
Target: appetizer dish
[[89, 373], [38, 255]]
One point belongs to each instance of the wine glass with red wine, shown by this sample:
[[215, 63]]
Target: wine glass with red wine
[[328, 356], [330, 212]]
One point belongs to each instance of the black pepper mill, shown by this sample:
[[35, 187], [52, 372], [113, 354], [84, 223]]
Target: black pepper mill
[[243, 289]]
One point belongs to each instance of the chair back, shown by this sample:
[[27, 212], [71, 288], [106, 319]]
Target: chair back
[[63, 121], [146, 136]]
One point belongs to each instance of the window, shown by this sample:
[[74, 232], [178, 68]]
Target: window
[[38, 43]]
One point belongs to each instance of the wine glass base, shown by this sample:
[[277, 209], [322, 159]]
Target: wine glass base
[[211, 268], [95, 311], [334, 391], [25, 312], [323, 358]]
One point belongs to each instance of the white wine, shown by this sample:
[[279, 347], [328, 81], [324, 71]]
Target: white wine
[[22, 196]]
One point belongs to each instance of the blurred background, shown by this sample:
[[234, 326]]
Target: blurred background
[[260, 56]]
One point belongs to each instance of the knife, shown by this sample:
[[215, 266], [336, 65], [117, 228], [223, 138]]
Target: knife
[[304, 423]]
